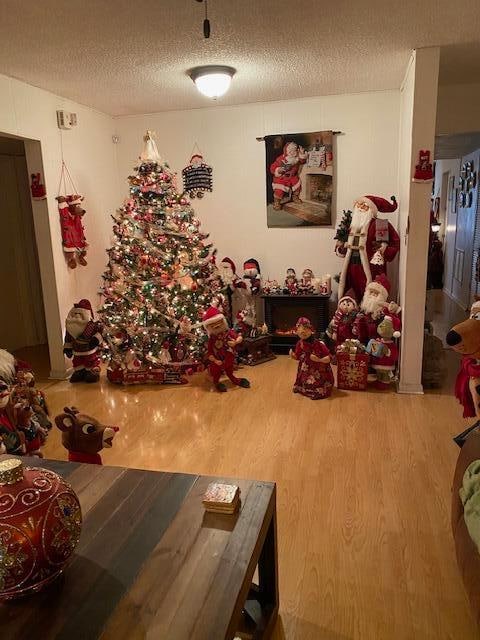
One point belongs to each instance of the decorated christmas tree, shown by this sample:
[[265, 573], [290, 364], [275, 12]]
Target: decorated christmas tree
[[160, 278]]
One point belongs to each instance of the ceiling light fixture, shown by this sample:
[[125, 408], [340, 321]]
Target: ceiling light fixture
[[212, 80]]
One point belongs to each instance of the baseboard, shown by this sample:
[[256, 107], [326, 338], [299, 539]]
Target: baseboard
[[410, 388], [60, 374], [455, 300]]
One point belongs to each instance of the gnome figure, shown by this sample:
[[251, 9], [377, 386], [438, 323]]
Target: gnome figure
[[82, 342], [222, 343]]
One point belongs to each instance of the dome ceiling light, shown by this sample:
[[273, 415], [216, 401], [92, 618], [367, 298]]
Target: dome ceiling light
[[212, 81]]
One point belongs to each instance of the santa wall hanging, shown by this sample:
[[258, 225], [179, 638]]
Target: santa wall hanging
[[197, 176], [71, 213]]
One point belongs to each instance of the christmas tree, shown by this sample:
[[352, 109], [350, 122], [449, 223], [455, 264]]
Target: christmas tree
[[343, 228], [160, 278]]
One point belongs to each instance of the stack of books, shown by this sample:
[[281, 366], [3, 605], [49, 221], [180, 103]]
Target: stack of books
[[222, 498]]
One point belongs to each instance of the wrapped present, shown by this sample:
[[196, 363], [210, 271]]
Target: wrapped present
[[351, 346], [352, 370]]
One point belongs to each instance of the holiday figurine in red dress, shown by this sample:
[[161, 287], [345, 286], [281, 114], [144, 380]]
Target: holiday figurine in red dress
[[465, 339], [424, 169], [222, 343], [341, 325], [314, 374], [82, 341], [73, 236], [371, 243]]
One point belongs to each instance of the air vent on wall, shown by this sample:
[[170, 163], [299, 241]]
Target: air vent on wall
[[66, 120]]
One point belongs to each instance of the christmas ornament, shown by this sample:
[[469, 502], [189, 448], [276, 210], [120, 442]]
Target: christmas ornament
[[222, 343], [83, 436], [197, 177], [82, 341], [314, 373], [423, 170], [40, 525], [367, 236]]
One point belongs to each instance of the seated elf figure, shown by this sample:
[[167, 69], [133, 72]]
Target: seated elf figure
[[222, 343]]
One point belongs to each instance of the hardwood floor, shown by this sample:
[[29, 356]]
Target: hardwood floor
[[365, 548]]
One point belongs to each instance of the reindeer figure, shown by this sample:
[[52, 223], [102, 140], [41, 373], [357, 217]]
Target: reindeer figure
[[83, 436], [465, 339]]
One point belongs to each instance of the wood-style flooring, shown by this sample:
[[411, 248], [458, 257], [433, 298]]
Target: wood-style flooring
[[365, 548]]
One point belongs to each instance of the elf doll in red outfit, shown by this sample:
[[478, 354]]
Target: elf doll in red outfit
[[222, 342]]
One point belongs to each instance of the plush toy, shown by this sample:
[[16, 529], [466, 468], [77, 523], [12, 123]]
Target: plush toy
[[246, 322], [373, 308], [37, 187], [251, 276], [82, 342], [291, 282], [384, 352], [27, 424], [341, 325], [222, 343], [73, 236], [465, 339], [314, 373], [83, 436], [307, 283], [36, 398], [12, 439]]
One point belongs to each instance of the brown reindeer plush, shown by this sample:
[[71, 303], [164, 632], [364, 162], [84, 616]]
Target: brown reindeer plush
[[83, 436], [465, 338]]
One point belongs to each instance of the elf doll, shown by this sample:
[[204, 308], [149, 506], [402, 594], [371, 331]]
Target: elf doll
[[314, 373], [222, 343], [341, 325]]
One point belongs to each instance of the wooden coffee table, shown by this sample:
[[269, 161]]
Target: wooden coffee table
[[153, 565]]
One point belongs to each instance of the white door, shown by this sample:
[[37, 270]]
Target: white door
[[466, 216]]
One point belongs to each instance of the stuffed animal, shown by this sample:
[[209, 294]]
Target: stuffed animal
[[384, 352], [465, 339], [27, 423], [291, 282], [37, 188], [82, 342], [341, 325], [251, 276], [25, 388], [12, 439], [222, 343], [314, 373], [83, 436], [73, 233]]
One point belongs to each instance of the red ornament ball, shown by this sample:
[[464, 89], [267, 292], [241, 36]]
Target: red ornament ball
[[40, 524]]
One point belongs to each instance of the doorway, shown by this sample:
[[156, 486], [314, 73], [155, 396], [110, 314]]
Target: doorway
[[22, 325]]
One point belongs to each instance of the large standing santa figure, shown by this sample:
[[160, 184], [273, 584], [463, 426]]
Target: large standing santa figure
[[286, 183], [82, 342], [372, 242]]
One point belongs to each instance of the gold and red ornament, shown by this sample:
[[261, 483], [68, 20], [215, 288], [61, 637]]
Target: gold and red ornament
[[40, 525]]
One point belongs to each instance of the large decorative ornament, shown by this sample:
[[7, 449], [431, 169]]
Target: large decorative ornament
[[40, 524]]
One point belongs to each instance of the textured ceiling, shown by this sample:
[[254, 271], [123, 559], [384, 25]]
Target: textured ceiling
[[456, 145], [126, 57]]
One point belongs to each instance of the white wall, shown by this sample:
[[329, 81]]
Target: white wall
[[90, 154], [235, 213], [458, 108], [417, 131]]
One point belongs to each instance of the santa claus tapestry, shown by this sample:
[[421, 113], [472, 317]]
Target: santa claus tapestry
[[299, 179]]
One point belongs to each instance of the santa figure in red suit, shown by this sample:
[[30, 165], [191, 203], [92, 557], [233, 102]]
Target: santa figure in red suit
[[82, 341], [286, 183], [228, 273], [222, 343], [373, 308], [372, 242]]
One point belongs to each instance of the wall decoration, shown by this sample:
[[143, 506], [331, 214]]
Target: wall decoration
[[197, 177], [71, 213], [299, 179], [37, 187], [467, 183], [424, 169]]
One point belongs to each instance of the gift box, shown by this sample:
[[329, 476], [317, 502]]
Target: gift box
[[352, 371]]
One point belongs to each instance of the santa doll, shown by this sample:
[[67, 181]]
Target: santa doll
[[373, 308], [314, 373], [228, 273], [73, 233], [82, 342], [291, 282], [286, 183], [341, 325], [384, 352], [372, 242], [307, 283], [222, 344]]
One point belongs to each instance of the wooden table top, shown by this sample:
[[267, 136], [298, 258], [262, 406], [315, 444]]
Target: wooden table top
[[151, 563]]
